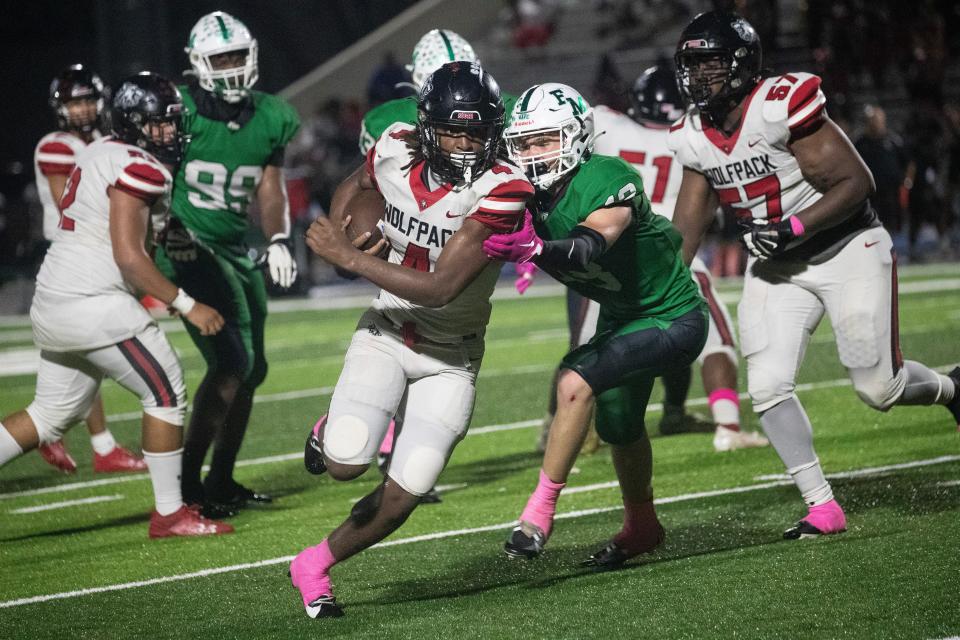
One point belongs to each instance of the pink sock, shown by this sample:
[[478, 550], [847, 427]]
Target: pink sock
[[827, 517], [542, 505], [387, 445], [725, 408], [641, 530], [309, 572]]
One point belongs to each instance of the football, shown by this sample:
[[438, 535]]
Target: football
[[365, 210]]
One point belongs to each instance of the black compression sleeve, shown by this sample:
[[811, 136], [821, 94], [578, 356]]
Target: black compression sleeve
[[580, 248]]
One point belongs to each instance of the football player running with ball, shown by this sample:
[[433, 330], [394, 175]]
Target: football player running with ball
[[86, 317], [444, 192], [235, 155], [77, 97], [592, 228], [765, 147]]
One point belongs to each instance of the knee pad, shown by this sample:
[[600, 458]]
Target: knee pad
[[767, 390], [174, 415], [353, 432], [53, 422], [420, 453], [880, 394]]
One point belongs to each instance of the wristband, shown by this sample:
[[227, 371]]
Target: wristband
[[183, 303]]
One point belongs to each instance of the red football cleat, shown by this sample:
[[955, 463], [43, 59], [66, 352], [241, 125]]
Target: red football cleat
[[186, 522], [117, 460], [56, 455]]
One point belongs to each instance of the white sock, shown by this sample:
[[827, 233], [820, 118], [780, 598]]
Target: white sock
[[812, 484], [165, 470], [103, 443], [725, 412], [9, 449]]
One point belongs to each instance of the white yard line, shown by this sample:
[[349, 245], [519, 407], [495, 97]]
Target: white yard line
[[429, 536], [67, 503]]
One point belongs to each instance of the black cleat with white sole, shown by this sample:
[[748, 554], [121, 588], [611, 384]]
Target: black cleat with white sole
[[802, 530], [525, 541], [324, 607], [313, 454], [613, 556]]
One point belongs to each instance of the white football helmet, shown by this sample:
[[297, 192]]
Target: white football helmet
[[217, 33], [550, 108], [436, 48]]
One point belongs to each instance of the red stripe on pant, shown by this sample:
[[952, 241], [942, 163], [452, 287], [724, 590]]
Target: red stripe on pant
[[147, 367], [896, 356], [715, 312]]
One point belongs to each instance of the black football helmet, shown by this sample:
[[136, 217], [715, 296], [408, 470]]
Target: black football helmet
[[460, 96], [718, 46], [76, 82], [142, 104], [655, 97]]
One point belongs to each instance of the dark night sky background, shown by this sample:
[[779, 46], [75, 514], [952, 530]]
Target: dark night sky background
[[118, 37]]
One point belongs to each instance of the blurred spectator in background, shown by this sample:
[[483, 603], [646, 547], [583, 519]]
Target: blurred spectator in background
[[729, 257], [533, 22], [927, 148], [884, 155], [388, 81], [609, 87]]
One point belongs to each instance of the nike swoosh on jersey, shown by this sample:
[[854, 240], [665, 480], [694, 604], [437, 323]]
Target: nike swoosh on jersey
[[754, 142], [870, 244], [453, 215]]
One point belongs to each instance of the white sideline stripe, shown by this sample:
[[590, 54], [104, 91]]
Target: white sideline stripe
[[67, 503], [428, 536], [870, 470], [950, 483], [523, 424]]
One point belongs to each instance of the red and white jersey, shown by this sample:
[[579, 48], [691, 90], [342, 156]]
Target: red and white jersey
[[420, 217], [82, 300], [753, 170], [645, 147], [55, 155]]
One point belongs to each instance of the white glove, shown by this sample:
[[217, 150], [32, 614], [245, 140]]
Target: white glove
[[280, 262]]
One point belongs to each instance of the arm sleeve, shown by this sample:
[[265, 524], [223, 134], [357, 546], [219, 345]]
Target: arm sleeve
[[502, 209], [580, 248]]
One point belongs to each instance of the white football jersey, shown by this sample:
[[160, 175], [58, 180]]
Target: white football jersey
[[82, 300], [55, 154], [418, 222], [753, 171], [645, 147]]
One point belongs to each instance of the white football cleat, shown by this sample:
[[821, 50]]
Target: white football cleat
[[725, 439]]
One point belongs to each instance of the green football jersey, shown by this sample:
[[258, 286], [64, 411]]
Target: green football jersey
[[642, 273], [379, 119], [222, 167]]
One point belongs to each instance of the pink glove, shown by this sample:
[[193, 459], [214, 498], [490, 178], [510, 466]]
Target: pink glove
[[520, 246], [525, 272]]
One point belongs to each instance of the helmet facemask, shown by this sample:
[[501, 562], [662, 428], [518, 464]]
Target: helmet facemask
[[459, 167], [232, 83]]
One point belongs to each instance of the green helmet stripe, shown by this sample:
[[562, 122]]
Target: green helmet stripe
[[525, 99], [446, 42], [223, 28]]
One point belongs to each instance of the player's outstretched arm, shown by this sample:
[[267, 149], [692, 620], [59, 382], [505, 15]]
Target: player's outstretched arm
[[696, 204], [461, 260], [275, 221], [129, 218], [832, 165]]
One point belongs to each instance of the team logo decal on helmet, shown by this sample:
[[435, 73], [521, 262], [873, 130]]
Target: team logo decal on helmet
[[216, 34], [550, 109]]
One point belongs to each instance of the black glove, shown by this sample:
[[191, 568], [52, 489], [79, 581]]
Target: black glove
[[765, 240], [178, 241]]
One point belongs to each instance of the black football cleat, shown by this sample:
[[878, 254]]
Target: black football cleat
[[324, 607], [431, 497], [613, 556], [954, 405], [802, 529], [525, 541], [313, 449]]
